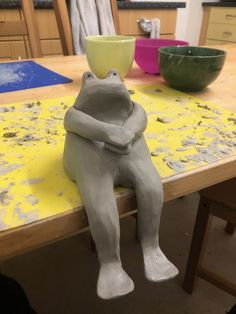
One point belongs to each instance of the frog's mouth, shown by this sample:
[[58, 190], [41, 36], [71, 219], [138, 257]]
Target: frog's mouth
[[109, 93]]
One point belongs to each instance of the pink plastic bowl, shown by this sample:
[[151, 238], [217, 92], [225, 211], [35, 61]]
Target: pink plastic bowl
[[146, 52]]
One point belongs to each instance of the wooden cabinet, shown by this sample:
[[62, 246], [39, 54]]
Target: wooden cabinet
[[48, 32], [11, 47], [18, 46], [129, 26], [218, 26]]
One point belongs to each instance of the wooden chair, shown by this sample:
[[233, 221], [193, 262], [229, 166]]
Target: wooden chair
[[219, 201], [115, 14], [64, 26], [28, 26]]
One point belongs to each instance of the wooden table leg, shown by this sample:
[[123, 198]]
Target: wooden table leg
[[135, 216], [1, 268], [233, 310], [201, 228], [92, 244], [230, 227]]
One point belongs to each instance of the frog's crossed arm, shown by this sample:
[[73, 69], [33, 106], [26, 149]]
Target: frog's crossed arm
[[137, 121], [86, 126]]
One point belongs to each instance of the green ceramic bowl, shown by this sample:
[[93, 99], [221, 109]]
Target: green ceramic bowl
[[110, 52], [190, 68]]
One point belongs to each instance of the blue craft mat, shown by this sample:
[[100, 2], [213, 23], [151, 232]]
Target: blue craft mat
[[27, 74]]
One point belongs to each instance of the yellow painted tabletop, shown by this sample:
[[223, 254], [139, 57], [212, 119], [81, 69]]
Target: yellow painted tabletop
[[183, 133]]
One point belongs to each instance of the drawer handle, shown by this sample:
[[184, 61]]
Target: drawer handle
[[226, 34], [230, 16]]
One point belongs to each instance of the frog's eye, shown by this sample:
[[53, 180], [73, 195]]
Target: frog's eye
[[88, 75], [113, 74]]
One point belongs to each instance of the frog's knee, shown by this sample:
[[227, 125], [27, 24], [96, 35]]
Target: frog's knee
[[151, 185]]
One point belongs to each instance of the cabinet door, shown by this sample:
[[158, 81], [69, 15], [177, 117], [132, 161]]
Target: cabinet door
[[223, 15], [224, 32], [47, 24], [48, 32], [129, 25], [51, 47], [11, 47], [218, 26]]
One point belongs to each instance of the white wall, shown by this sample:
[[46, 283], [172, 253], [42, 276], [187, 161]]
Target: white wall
[[182, 21], [189, 21]]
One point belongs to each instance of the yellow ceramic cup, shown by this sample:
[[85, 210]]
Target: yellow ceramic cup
[[110, 52]]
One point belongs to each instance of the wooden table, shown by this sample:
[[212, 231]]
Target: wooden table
[[223, 91]]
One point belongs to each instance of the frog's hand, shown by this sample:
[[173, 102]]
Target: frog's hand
[[118, 150], [137, 121]]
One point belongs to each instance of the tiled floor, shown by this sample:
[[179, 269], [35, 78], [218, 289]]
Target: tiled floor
[[61, 278]]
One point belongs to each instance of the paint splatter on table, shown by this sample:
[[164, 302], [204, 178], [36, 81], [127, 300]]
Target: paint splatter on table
[[183, 133]]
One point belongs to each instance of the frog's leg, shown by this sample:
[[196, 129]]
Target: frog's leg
[[138, 167], [93, 170]]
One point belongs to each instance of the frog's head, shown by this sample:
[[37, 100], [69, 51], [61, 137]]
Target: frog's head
[[95, 90]]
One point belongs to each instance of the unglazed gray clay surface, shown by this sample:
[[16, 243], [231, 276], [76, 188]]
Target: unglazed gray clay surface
[[105, 147]]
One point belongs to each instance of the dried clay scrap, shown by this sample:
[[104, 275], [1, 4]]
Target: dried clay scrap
[[184, 132], [31, 145]]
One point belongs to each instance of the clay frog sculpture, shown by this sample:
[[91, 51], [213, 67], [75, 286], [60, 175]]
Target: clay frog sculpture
[[105, 147]]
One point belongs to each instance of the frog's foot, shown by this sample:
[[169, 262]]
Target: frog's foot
[[157, 266], [113, 281]]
